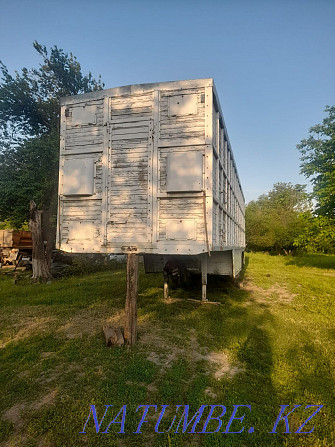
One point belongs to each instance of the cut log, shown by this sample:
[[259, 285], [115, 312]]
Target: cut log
[[120, 338], [113, 336], [110, 335]]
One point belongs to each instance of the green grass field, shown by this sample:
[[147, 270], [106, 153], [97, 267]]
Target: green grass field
[[269, 343]]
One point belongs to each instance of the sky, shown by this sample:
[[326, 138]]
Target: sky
[[273, 62]]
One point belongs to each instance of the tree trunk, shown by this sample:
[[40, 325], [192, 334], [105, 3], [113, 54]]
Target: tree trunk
[[48, 233], [130, 328], [41, 259]]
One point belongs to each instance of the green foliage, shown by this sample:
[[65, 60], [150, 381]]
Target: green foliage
[[28, 172], [29, 102], [8, 225], [317, 235], [29, 130], [5, 225], [84, 264], [282, 219], [318, 162], [272, 221]]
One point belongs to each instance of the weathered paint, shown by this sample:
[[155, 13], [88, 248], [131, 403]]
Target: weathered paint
[[136, 136]]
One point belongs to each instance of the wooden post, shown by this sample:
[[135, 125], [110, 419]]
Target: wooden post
[[204, 276], [130, 327]]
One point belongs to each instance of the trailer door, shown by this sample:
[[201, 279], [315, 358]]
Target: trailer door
[[129, 216]]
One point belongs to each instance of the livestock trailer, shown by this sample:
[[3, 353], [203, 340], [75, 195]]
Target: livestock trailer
[[149, 169]]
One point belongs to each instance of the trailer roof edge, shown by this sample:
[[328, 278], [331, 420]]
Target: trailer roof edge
[[137, 88]]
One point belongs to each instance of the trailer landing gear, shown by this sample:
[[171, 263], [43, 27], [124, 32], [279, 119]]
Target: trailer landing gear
[[178, 274], [204, 276]]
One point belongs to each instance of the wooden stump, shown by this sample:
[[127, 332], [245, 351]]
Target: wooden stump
[[40, 264], [130, 327], [113, 336]]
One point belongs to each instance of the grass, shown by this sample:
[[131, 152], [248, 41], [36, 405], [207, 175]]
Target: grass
[[269, 343]]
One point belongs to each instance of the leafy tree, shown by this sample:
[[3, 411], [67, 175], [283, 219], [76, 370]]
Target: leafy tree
[[259, 232], [272, 221], [29, 102], [29, 131], [317, 234], [318, 162], [28, 171]]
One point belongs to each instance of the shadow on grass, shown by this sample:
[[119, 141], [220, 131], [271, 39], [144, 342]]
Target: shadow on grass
[[239, 327], [219, 325], [313, 260], [313, 373]]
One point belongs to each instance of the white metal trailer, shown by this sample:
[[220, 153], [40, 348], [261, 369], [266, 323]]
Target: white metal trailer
[[149, 169]]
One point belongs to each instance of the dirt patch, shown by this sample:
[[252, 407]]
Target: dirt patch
[[222, 365], [14, 415], [164, 353], [210, 393], [52, 375], [46, 401], [161, 351], [45, 442], [264, 296], [47, 378], [25, 373], [45, 355], [155, 358], [152, 388]]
